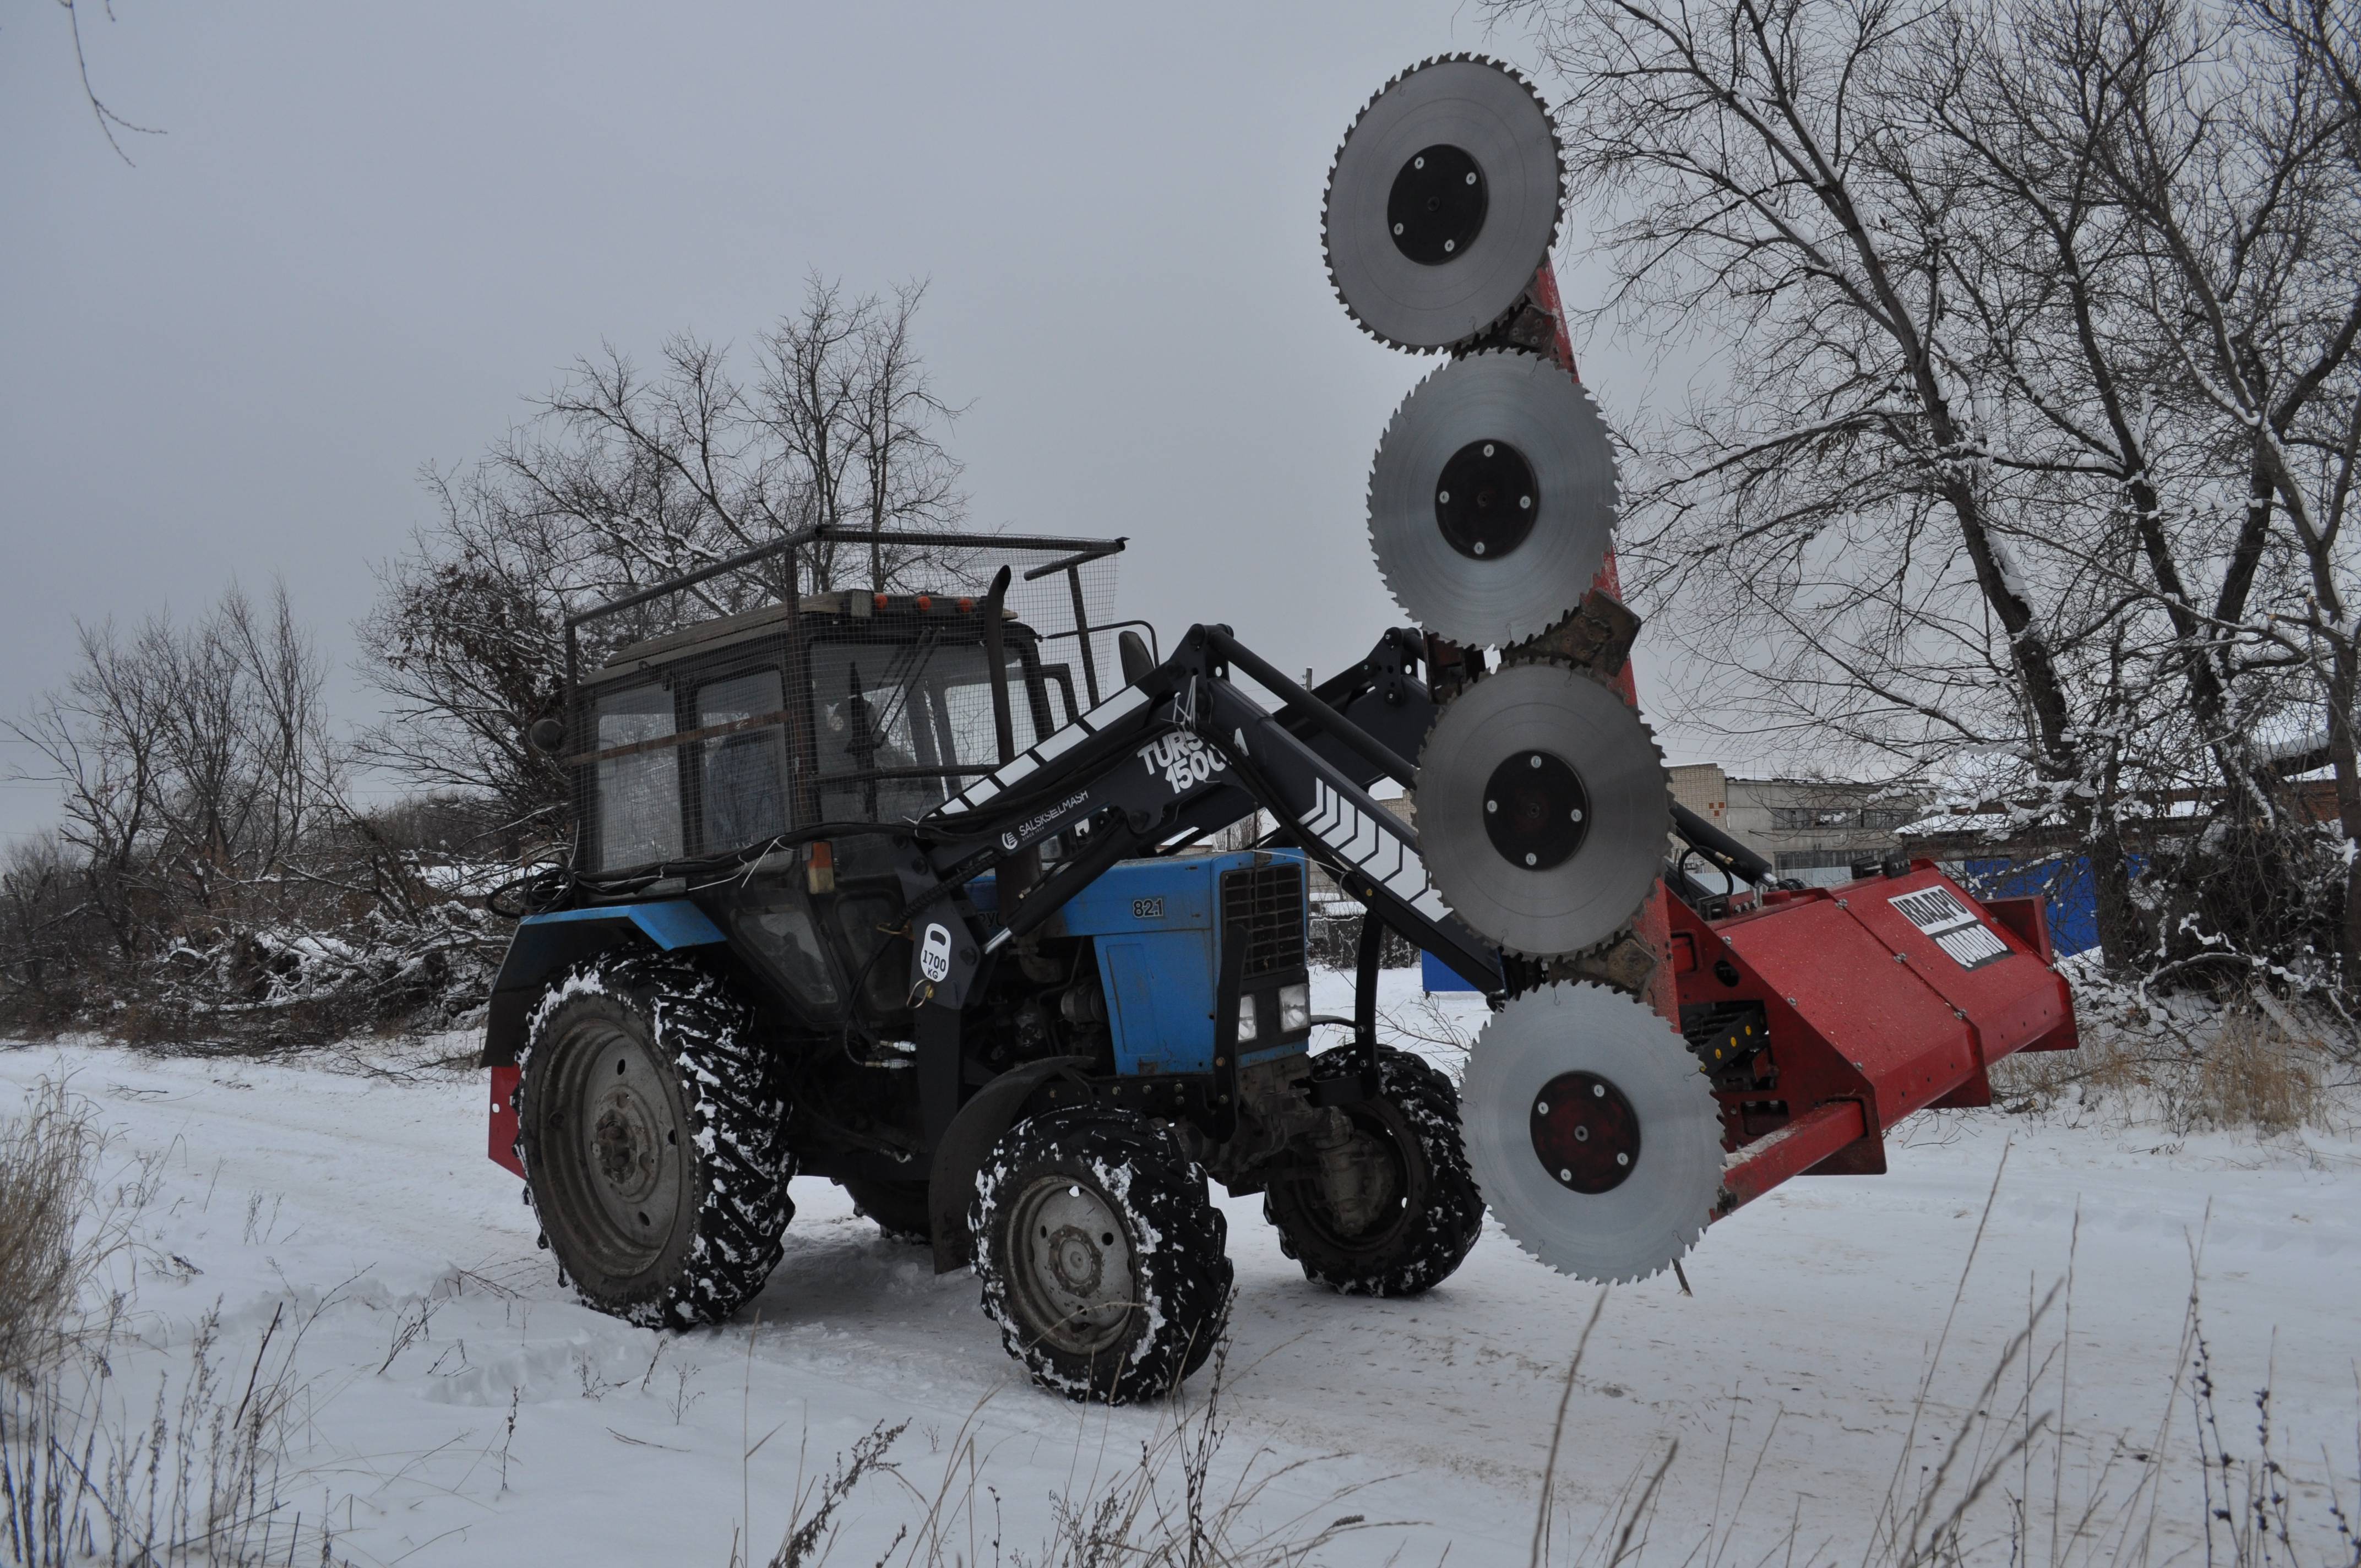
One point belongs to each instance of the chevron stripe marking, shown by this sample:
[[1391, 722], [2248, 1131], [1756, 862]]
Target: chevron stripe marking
[[1130, 699]]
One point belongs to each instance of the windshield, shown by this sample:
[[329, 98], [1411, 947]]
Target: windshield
[[904, 724]]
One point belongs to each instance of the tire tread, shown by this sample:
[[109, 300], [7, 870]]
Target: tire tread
[[739, 1110], [1189, 1274]]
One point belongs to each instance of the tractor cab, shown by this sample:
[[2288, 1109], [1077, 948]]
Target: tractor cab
[[840, 708], [741, 762]]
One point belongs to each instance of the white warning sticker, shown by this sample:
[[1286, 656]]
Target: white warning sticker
[[935, 953], [1968, 941]]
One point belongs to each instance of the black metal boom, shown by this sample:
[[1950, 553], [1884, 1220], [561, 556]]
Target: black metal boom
[[1180, 752]]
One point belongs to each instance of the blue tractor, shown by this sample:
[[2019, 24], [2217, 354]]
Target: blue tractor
[[906, 886], [907, 890]]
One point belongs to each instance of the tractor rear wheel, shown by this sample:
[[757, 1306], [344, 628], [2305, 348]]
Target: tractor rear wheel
[[651, 1129], [899, 1208], [1427, 1211], [1100, 1257]]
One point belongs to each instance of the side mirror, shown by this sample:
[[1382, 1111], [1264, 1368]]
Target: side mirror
[[1136, 660], [546, 735]]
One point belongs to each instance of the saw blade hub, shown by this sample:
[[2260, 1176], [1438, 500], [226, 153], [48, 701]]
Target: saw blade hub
[[1564, 1087], [1535, 810], [1498, 805], [1486, 500], [1584, 1132], [1436, 207]]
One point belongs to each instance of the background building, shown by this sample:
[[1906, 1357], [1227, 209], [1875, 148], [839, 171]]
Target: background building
[[1811, 829]]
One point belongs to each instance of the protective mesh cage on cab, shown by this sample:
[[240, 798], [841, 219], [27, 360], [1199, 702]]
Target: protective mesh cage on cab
[[836, 677]]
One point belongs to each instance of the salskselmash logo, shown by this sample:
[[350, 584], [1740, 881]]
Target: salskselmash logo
[[1184, 759], [1023, 830]]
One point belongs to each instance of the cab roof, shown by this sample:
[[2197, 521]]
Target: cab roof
[[753, 625]]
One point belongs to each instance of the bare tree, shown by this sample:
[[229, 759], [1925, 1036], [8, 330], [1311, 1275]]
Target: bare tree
[[2011, 299], [193, 763], [467, 644], [1837, 490], [910, 481], [811, 400], [211, 868], [2242, 172], [624, 481], [43, 909], [109, 122], [2162, 278]]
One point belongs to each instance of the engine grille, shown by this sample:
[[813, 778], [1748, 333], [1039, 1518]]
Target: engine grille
[[1264, 906]]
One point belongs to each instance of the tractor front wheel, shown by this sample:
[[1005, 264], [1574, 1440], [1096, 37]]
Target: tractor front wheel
[[651, 1131], [1423, 1212], [1100, 1257]]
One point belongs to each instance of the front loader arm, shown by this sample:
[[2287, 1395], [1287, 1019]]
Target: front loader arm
[[1185, 747], [1381, 696], [1372, 853]]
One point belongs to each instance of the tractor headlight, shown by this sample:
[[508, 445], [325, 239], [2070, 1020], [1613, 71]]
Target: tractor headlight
[[1295, 1007], [1247, 1027]]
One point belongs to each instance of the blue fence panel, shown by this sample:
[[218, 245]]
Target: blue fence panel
[[2062, 882], [1435, 976]]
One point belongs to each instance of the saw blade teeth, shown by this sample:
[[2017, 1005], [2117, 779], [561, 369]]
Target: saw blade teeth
[[1387, 311], [1595, 755], [1640, 1225]]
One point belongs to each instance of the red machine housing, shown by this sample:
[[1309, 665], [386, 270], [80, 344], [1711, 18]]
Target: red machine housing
[[1825, 1015]]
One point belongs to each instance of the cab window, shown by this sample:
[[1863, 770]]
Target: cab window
[[742, 771], [638, 791]]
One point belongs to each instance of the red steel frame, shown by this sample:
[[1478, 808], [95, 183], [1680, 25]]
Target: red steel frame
[[1867, 1018], [1652, 922]]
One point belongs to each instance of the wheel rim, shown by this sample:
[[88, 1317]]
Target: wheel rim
[[1371, 1138], [1072, 1275], [610, 1147]]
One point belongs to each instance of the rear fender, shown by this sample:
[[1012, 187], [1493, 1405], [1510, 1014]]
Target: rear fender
[[546, 944]]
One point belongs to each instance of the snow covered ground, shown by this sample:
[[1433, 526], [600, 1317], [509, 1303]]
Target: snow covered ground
[[354, 1192]]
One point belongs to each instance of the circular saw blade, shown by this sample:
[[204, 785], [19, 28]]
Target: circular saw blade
[[1544, 808], [1571, 1074], [1442, 201], [1492, 498]]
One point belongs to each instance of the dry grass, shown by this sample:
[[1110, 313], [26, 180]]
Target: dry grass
[[2256, 1075], [1994, 1485], [198, 1477], [47, 1250], [2252, 1064], [87, 1474], [1173, 1504], [1981, 1476]]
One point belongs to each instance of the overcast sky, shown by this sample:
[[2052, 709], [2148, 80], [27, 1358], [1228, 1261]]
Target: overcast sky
[[369, 233]]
